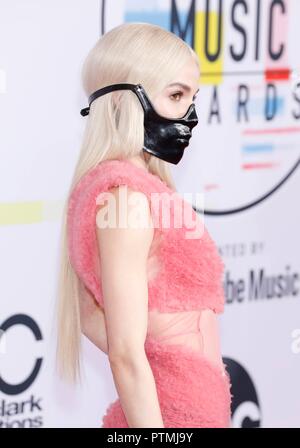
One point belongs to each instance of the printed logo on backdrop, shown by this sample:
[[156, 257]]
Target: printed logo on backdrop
[[249, 99], [245, 406], [261, 285], [17, 413]]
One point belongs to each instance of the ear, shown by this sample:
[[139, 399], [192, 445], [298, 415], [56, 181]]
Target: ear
[[116, 97]]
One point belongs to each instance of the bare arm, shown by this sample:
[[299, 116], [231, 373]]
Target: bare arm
[[123, 254], [92, 320]]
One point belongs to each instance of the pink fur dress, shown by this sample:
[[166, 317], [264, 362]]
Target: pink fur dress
[[185, 294]]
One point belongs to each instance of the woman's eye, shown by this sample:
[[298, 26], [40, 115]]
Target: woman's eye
[[177, 93], [180, 95]]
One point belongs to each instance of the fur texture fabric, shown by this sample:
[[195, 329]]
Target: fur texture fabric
[[187, 276], [191, 391], [191, 269]]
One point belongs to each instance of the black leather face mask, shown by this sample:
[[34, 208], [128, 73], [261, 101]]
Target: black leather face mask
[[165, 138]]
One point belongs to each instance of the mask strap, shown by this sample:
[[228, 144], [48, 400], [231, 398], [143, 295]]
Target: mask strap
[[104, 90]]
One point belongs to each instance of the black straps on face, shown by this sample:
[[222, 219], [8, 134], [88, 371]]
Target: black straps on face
[[103, 91]]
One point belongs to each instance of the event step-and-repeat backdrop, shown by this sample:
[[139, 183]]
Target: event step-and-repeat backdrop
[[243, 158]]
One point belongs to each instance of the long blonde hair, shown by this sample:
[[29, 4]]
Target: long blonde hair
[[134, 53]]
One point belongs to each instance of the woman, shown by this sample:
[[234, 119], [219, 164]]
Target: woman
[[145, 293]]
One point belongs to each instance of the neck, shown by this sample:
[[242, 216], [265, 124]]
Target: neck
[[141, 161]]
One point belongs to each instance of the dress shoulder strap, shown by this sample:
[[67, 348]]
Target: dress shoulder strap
[[119, 171]]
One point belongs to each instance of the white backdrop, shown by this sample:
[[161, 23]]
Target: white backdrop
[[243, 157]]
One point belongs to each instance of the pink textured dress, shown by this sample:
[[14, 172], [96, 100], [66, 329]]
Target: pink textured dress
[[185, 294]]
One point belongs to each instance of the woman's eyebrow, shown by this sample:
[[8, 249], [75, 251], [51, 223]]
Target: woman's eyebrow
[[184, 86]]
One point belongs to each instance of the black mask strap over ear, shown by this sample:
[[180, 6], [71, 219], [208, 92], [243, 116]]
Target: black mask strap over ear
[[103, 91]]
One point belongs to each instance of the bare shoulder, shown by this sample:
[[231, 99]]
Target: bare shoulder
[[124, 221]]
